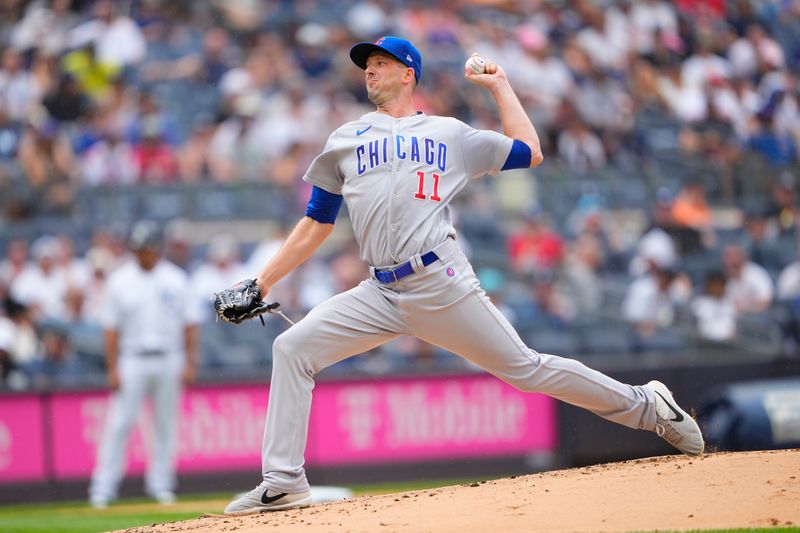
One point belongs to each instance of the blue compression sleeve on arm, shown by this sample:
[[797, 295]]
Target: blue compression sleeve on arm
[[323, 206], [519, 157]]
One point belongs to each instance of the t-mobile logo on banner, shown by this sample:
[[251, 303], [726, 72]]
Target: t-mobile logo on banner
[[453, 413], [358, 416]]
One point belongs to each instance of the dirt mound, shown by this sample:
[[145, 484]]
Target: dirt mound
[[721, 490]]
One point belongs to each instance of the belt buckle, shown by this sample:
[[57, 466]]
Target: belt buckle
[[391, 271]]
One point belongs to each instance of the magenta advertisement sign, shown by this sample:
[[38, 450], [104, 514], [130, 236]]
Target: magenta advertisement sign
[[21, 439], [77, 422], [407, 420], [351, 423], [219, 429]]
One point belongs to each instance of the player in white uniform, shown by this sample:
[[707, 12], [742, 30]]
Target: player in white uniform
[[398, 169], [149, 320]]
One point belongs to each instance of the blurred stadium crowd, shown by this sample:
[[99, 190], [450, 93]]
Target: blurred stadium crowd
[[663, 220]]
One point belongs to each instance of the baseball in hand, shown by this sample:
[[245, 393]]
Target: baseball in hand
[[475, 64]]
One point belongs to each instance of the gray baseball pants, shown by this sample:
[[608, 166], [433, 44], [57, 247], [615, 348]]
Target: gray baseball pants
[[451, 312]]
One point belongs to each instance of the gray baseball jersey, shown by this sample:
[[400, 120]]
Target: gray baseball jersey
[[397, 176]]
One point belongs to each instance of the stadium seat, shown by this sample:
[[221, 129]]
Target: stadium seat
[[607, 339], [552, 341]]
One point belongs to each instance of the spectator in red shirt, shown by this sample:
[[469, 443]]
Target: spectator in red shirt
[[535, 246], [154, 158]]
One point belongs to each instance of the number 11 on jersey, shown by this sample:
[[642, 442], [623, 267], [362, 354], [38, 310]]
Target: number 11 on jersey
[[420, 194]]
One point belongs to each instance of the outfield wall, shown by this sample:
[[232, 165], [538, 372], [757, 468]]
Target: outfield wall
[[363, 431], [54, 436]]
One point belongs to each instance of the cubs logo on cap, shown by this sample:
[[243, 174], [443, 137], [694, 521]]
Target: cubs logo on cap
[[400, 48]]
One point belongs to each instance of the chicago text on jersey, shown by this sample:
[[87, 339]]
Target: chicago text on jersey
[[376, 152]]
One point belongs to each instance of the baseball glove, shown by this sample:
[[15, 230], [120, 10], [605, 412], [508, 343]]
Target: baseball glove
[[242, 302]]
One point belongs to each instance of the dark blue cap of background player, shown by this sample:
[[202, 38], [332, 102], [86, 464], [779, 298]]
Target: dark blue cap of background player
[[398, 47], [145, 234]]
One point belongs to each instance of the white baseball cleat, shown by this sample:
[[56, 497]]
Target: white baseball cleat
[[98, 503], [261, 499], [166, 498], [673, 424]]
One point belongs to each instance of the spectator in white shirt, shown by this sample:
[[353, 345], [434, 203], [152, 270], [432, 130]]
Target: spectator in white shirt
[[42, 285], [736, 101], [604, 103], [46, 26], [100, 263], [581, 148], [109, 161], [687, 101], [580, 273], [546, 81], [648, 18], [650, 302], [18, 90], [755, 53], [10, 374], [74, 268], [222, 268], [655, 245], [714, 311], [254, 77], [599, 43], [743, 57], [112, 240], [238, 149], [178, 244], [705, 66], [789, 282], [285, 291], [24, 342], [118, 39], [749, 286]]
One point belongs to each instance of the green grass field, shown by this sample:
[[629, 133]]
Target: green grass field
[[77, 517]]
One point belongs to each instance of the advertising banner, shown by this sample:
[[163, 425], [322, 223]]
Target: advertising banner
[[220, 428], [22, 455], [413, 420]]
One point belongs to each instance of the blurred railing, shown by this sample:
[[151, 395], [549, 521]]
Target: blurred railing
[[629, 183]]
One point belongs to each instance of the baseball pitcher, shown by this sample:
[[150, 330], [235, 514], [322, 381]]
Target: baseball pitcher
[[398, 170]]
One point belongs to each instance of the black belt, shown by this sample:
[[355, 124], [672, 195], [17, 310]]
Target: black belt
[[391, 275]]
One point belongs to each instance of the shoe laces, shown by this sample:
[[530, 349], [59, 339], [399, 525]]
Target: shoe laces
[[668, 432]]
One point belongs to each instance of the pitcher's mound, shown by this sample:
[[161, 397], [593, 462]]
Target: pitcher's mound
[[721, 490]]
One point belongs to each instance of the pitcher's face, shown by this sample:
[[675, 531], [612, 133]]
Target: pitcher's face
[[384, 77]]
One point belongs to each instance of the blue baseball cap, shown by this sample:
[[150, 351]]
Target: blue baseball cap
[[400, 48], [145, 234]]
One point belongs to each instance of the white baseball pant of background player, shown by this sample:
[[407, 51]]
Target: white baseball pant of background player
[[151, 314], [398, 170]]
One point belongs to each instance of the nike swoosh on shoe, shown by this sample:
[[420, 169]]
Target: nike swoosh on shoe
[[678, 415]]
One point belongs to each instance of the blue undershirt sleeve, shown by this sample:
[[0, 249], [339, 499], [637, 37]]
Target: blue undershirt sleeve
[[519, 157], [323, 206]]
